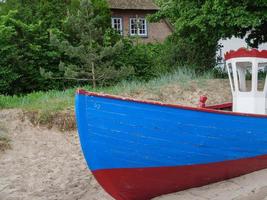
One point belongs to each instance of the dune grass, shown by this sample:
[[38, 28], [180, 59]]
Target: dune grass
[[4, 140], [182, 77], [53, 101], [4, 143]]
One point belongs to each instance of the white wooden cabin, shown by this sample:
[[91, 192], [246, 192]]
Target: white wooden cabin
[[245, 68]]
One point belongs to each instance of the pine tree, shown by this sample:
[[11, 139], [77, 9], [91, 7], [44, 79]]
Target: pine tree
[[89, 46]]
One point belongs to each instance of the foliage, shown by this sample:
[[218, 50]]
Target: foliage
[[49, 14], [25, 47], [58, 44], [144, 58], [192, 52], [18, 47], [91, 47], [200, 24]]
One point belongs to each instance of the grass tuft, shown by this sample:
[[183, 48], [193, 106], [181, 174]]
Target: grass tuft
[[4, 140], [4, 143]]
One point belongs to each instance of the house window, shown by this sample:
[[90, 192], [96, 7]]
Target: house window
[[138, 26], [117, 24]]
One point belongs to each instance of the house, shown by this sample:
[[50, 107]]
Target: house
[[129, 19]]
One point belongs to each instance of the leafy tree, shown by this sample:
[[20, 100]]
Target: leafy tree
[[200, 24], [25, 47], [50, 12]]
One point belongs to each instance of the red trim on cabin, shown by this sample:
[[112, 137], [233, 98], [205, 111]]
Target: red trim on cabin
[[146, 183], [84, 92], [243, 52]]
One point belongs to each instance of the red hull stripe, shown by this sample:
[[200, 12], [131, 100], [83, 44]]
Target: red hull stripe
[[220, 106], [146, 183]]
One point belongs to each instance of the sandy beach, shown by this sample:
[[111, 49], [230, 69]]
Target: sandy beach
[[46, 164], [43, 164]]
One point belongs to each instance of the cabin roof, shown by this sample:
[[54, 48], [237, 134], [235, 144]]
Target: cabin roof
[[132, 4]]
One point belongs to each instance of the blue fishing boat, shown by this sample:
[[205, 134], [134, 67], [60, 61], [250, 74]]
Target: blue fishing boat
[[138, 149]]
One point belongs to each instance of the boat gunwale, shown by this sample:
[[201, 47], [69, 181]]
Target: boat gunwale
[[158, 103]]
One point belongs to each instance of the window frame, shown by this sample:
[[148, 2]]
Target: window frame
[[230, 70], [243, 69], [120, 31], [262, 68], [138, 29]]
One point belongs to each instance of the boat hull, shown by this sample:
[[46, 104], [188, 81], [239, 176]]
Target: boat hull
[[146, 183], [140, 150]]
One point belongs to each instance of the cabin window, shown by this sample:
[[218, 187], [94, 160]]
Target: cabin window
[[244, 71], [262, 73], [231, 76], [117, 24], [138, 26]]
